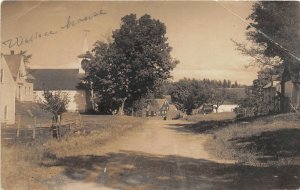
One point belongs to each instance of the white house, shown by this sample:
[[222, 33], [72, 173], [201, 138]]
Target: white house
[[7, 94], [16, 84], [23, 81]]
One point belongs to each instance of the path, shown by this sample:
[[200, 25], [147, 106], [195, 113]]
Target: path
[[160, 156]]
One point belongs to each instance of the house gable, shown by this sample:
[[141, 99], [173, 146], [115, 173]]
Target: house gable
[[14, 62]]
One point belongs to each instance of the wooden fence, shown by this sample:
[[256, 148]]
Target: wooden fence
[[12, 135]]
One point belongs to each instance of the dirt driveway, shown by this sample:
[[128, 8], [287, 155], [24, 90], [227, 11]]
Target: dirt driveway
[[162, 155]]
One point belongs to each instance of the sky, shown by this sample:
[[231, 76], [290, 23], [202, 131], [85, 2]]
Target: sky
[[200, 33]]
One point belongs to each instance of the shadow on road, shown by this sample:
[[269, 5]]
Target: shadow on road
[[136, 170], [202, 126]]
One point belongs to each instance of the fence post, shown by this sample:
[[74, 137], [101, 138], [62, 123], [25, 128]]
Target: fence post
[[18, 125], [80, 121], [33, 131]]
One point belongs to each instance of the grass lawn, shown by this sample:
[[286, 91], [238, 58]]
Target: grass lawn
[[272, 140], [21, 164], [211, 117]]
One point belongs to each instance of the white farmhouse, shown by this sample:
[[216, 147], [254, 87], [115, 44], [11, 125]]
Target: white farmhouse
[[7, 94], [16, 85]]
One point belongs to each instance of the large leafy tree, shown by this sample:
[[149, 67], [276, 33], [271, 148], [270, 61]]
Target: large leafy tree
[[274, 35], [189, 94], [135, 62]]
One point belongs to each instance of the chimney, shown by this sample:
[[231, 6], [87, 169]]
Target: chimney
[[12, 52]]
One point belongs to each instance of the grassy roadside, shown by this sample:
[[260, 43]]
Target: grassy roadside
[[211, 117], [273, 140], [21, 164]]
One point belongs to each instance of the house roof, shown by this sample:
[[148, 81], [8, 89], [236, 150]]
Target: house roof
[[168, 98], [156, 105], [160, 102], [55, 79], [13, 62]]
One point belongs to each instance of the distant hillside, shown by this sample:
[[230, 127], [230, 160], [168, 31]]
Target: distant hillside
[[240, 93]]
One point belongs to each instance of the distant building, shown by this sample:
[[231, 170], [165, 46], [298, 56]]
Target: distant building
[[271, 96], [162, 108], [226, 108], [64, 80], [282, 94], [157, 107]]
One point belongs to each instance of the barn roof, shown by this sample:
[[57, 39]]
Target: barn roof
[[272, 84], [156, 105], [55, 79], [13, 62]]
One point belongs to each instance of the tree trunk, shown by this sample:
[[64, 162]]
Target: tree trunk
[[121, 109]]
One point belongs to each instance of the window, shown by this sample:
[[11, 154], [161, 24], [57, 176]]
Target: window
[[25, 90], [29, 91], [2, 77], [5, 113], [19, 93]]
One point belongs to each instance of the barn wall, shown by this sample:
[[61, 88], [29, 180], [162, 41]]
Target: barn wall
[[296, 96], [77, 99], [289, 89], [226, 108]]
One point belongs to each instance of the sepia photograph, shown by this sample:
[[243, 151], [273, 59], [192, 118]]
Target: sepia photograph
[[150, 95]]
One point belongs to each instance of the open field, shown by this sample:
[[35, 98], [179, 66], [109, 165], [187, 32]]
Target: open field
[[211, 117], [21, 164], [270, 140]]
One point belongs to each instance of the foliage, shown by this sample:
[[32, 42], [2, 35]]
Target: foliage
[[189, 94], [274, 34], [257, 53], [276, 26], [254, 101], [135, 62], [217, 98], [26, 57], [54, 102]]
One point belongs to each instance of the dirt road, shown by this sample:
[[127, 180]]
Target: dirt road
[[162, 155]]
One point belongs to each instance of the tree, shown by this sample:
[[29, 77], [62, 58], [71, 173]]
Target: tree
[[189, 94], [54, 102], [26, 57], [134, 63], [275, 27], [217, 98]]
